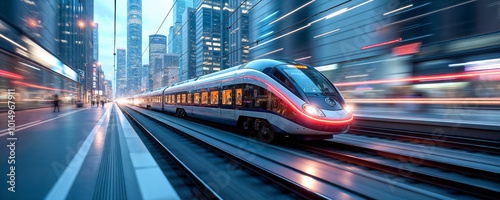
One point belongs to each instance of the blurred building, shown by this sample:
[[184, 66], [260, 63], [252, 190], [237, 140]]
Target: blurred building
[[76, 24], [109, 89], [55, 31], [144, 77], [188, 67], [134, 45], [95, 39], [166, 71], [365, 40], [121, 72], [157, 47]]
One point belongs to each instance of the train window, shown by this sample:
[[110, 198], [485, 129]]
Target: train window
[[196, 98], [227, 98], [214, 97], [261, 97], [189, 98], [178, 98], [311, 81], [204, 98], [284, 80], [183, 98], [239, 99]]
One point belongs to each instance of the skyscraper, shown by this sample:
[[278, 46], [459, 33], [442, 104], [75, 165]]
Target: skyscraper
[[238, 35], [144, 77], [134, 44], [121, 72], [75, 35], [157, 44], [171, 33], [188, 66], [179, 9], [95, 38], [174, 37], [166, 71], [212, 46]]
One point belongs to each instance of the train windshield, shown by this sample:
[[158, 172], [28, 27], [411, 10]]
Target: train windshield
[[311, 82]]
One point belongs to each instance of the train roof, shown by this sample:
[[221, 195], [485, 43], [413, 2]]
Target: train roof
[[259, 65]]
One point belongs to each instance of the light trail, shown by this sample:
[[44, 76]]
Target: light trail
[[421, 78]]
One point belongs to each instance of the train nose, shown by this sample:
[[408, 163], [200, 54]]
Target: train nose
[[337, 115]]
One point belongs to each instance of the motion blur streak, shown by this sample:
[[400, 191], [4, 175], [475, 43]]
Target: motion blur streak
[[304, 58], [484, 101], [418, 16], [40, 87], [10, 75], [6, 38], [292, 12], [383, 43], [402, 8], [323, 34], [422, 78], [271, 52]]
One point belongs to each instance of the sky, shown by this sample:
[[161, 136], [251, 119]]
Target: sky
[[153, 13]]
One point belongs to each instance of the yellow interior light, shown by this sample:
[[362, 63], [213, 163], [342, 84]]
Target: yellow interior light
[[298, 66]]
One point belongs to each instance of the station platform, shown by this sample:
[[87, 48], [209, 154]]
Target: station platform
[[80, 153]]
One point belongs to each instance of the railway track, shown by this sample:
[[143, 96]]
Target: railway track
[[292, 190], [477, 182], [472, 144], [314, 178]]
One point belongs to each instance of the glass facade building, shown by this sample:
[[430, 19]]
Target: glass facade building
[[157, 47], [134, 45], [211, 36], [239, 32], [188, 65], [121, 72]]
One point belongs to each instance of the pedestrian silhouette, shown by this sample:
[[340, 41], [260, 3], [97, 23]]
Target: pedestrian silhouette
[[56, 103]]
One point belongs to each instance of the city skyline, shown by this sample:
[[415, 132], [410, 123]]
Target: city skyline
[[151, 21]]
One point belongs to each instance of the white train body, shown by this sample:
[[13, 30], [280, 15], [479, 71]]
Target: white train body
[[260, 91]]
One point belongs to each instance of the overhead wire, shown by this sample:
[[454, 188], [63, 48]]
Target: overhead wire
[[165, 18], [114, 52]]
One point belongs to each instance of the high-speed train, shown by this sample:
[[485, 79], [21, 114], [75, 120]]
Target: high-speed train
[[271, 98]]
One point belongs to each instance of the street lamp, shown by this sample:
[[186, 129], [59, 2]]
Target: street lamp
[[81, 24]]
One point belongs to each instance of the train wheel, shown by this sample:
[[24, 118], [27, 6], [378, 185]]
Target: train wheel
[[266, 134]]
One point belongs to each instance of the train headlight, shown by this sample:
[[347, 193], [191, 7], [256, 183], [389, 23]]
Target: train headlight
[[348, 109], [313, 110]]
